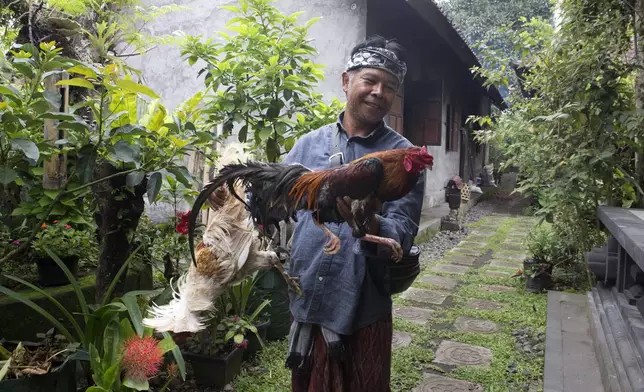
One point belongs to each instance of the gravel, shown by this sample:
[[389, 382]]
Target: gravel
[[443, 241]]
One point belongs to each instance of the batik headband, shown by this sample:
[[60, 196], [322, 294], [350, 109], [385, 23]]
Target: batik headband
[[378, 58]]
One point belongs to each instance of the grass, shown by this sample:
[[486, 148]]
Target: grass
[[520, 309]]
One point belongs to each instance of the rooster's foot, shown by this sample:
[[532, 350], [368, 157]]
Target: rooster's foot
[[333, 245], [292, 281], [396, 249]]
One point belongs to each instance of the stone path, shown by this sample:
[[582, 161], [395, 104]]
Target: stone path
[[465, 308]]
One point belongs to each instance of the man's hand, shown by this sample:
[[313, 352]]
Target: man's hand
[[218, 197], [346, 206]]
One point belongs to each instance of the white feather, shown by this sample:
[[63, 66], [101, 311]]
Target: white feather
[[234, 245]]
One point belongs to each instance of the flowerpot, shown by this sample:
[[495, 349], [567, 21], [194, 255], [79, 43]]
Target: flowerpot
[[50, 274], [62, 380], [215, 372], [542, 278], [253, 343]]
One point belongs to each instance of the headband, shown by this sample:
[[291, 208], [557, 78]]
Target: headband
[[378, 58]]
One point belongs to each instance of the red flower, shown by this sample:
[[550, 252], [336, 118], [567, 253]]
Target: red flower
[[142, 357], [182, 226], [43, 226], [56, 221], [68, 227]]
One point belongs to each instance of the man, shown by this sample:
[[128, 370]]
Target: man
[[340, 339]]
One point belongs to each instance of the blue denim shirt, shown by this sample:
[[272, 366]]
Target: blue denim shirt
[[338, 292]]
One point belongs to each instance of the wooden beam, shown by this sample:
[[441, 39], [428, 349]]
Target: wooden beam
[[55, 169]]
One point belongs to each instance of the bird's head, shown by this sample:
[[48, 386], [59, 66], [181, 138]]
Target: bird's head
[[417, 159]]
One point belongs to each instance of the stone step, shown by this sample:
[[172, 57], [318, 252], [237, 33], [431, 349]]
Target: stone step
[[571, 364], [616, 329], [626, 349], [607, 367]]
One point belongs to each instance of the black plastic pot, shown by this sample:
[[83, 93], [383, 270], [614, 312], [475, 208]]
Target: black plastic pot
[[50, 274], [253, 343], [542, 278], [62, 380], [215, 371]]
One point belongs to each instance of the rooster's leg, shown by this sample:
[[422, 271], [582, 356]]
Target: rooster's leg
[[292, 281], [396, 249], [333, 245]]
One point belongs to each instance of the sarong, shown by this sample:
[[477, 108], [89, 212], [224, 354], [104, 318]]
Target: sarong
[[366, 366]]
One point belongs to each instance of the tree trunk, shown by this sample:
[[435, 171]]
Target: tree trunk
[[117, 217]]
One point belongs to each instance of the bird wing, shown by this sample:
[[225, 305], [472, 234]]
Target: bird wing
[[356, 180]]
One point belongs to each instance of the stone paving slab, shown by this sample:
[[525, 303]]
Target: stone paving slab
[[505, 264], [484, 232], [451, 269], [483, 304], [497, 289], [479, 237], [400, 339], [498, 274], [439, 281], [472, 244], [436, 383], [425, 296], [467, 252], [474, 325], [511, 256], [461, 260], [513, 246], [461, 354], [413, 314]]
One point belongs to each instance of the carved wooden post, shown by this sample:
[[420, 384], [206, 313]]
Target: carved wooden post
[[55, 169]]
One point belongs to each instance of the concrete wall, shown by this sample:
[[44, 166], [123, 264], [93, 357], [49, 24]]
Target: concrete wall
[[342, 26]]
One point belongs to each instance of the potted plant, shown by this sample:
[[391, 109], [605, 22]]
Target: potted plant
[[65, 241], [548, 249], [258, 322], [215, 359], [38, 366]]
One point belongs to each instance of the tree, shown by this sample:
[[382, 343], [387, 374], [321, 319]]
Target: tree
[[261, 79], [574, 140], [482, 23]]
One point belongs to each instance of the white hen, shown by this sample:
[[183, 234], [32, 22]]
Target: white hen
[[229, 252]]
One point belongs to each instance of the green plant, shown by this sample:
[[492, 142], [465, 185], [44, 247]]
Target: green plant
[[239, 296], [106, 326], [549, 249], [261, 79], [62, 239], [572, 130]]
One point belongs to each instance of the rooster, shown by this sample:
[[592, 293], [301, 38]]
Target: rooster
[[230, 251], [277, 191]]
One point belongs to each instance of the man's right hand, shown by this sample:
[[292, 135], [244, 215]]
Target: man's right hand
[[218, 197]]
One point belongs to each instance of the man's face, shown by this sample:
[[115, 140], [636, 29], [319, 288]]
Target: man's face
[[370, 93]]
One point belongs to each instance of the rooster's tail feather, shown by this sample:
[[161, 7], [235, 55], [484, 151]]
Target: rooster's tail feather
[[270, 184], [194, 295]]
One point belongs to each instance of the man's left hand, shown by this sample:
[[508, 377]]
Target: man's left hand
[[344, 208]]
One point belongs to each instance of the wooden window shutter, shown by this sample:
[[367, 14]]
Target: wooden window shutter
[[432, 124]]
